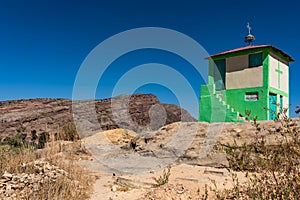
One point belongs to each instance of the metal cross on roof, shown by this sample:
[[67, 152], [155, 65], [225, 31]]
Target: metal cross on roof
[[249, 28], [249, 38]]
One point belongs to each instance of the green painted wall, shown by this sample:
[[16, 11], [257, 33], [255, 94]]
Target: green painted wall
[[266, 61], [236, 99], [211, 109], [211, 72]]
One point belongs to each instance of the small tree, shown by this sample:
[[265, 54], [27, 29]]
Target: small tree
[[43, 138], [33, 135], [69, 132]]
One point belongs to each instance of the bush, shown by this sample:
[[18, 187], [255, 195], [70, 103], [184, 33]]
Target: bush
[[68, 132], [276, 167], [33, 135], [16, 141], [43, 138], [164, 178]]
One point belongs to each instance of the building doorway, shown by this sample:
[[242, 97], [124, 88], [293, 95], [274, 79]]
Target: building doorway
[[272, 106]]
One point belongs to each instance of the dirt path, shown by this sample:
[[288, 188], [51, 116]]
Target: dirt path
[[185, 181]]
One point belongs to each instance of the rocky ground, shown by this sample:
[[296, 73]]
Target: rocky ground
[[13, 186], [126, 171], [124, 163]]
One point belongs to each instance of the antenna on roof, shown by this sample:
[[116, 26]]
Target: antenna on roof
[[249, 38]]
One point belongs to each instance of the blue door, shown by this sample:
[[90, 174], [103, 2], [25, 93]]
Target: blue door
[[272, 106]]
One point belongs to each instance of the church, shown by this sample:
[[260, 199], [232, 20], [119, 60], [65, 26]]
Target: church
[[247, 82]]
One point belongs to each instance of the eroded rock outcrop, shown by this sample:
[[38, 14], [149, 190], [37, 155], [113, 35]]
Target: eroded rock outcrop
[[184, 142], [131, 112]]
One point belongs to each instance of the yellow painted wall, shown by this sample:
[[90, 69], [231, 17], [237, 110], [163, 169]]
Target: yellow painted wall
[[239, 75]]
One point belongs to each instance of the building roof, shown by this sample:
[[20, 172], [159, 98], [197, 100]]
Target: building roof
[[289, 58]]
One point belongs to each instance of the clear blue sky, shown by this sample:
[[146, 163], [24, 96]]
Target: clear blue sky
[[43, 43]]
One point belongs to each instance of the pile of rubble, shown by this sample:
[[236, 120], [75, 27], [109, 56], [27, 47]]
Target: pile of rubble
[[26, 185]]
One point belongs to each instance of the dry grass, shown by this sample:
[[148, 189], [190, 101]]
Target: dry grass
[[273, 171], [68, 132], [76, 184]]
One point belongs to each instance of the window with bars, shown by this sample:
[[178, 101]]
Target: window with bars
[[251, 96]]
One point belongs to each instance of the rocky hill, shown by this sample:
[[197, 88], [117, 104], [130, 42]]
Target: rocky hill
[[51, 114]]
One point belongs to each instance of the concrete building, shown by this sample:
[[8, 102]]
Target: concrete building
[[249, 81]]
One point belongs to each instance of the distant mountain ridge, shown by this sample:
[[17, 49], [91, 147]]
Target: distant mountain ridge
[[46, 114]]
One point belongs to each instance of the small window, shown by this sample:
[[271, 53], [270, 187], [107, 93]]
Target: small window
[[251, 96], [255, 60]]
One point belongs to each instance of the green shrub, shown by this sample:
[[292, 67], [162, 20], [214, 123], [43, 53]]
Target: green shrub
[[164, 178], [33, 135]]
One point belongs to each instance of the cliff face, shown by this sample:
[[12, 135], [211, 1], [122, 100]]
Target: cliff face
[[131, 112]]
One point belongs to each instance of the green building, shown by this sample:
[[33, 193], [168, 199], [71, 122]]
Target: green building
[[251, 79]]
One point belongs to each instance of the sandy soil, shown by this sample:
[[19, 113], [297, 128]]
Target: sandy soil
[[185, 182]]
